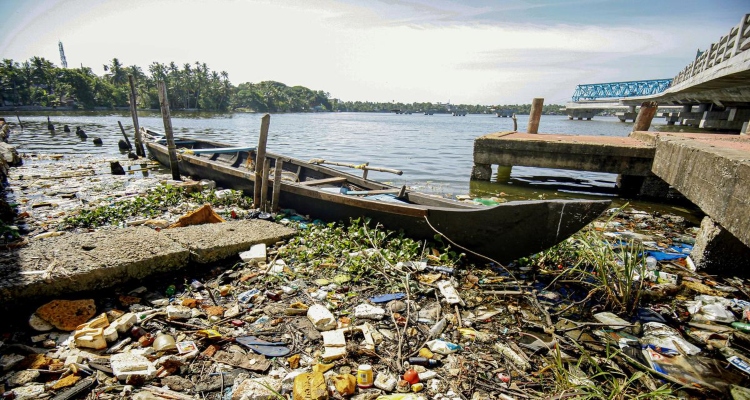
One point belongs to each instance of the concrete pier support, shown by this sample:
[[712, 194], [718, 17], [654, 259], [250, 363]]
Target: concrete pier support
[[671, 118], [733, 118], [717, 250], [503, 173], [580, 114], [650, 186], [482, 172], [631, 114]]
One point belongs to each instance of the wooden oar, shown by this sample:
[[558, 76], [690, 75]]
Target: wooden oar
[[365, 167]]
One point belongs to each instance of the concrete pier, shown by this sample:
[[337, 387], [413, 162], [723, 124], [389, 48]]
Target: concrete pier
[[619, 155], [710, 170]]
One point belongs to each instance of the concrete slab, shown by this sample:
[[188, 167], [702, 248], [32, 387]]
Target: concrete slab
[[712, 171], [213, 242], [73, 263], [88, 261], [619, 155]]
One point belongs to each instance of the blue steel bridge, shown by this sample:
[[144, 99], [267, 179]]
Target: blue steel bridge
[[619, 90]]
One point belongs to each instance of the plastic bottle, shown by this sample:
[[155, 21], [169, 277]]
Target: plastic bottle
[[171, 289], [423, 361], [437, 329], [741, 326]]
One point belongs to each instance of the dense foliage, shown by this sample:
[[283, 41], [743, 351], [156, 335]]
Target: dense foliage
[[38, 82]]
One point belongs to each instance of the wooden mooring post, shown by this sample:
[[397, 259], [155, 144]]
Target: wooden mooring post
[[164, 103], [535, 114], [264, 185], [645, 116], [125, 135], [134, 114], [260, 159], [278, 169]]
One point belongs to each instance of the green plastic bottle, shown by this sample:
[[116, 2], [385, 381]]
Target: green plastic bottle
[[741, 326]]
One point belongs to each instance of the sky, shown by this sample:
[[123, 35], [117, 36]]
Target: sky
[[464, 52]]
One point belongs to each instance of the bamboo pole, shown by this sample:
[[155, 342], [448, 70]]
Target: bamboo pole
[[278, 169], [645, 115], [125, 135], [19, 121], [264, 185], [366, 166], [134, 113], [164, 103], [535, 114], [260, 158]]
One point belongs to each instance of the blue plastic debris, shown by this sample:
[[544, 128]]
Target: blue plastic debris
[[384, 298]]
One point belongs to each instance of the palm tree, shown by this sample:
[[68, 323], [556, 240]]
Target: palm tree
[[117, 75]]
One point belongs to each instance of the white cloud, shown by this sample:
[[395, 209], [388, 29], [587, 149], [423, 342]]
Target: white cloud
[[404, 51]]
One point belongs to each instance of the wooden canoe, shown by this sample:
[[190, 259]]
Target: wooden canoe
[[503, 232]]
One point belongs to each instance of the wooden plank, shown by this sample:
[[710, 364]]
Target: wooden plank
[[278, 170], [222, 150], [369, 192], [260, 158], [139, 151], [317, 182], [164, 102], [130, 147], [264, 185]]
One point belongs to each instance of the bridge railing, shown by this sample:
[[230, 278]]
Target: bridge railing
[[735, 42]]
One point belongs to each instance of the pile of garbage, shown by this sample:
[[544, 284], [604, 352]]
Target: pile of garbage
[[354, 311], [359, 312]]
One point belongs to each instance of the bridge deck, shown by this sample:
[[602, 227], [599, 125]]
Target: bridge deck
[[619, 155]]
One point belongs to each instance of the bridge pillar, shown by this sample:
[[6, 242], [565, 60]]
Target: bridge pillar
[[672, 118], [580, 113], [732, 118], [687, 108], [631, 114]]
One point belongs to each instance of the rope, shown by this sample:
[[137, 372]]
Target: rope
[[469, 251]]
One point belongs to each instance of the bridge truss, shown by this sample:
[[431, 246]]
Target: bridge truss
[[593, 91]]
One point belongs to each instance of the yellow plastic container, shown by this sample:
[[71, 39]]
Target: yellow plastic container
[[364, 376]]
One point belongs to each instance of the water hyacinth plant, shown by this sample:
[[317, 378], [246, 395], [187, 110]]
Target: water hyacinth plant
[[151, 204]]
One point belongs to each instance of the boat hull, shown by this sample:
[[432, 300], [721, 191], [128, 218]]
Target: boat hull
[[502, 233]]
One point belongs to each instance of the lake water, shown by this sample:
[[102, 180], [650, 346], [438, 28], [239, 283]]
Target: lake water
[[433, 151]]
